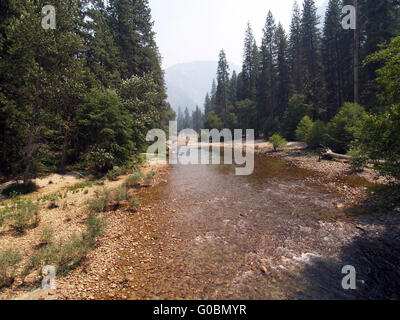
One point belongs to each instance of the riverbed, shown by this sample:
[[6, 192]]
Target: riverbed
[[275, 234]]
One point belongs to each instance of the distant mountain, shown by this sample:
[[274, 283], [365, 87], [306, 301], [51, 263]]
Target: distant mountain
[[188, 83]]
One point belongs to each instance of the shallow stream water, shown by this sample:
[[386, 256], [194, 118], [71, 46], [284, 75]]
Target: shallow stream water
[[276, 234]]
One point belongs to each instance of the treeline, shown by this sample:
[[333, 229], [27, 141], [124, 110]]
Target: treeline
[[83, 94], [194, 121], [307, 72]]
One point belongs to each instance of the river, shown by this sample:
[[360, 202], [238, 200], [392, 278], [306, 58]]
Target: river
[[276, 234]]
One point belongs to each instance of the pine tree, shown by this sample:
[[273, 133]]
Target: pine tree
[[283, 77], [222, 85], [250, 66], [187, 119], [267, 83], [132, 29], [207, 104], [180, 120], [233, 88], [311, 57], [378, 23], [103, 57], [213, 95], [197, 118], [43, 89], [295, 60], [333, 50]]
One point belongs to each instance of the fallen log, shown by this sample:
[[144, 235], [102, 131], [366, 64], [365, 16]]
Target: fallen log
[[328, 154]]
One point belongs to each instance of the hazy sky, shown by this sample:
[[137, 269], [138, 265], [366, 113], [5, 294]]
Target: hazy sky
[[190, 30]]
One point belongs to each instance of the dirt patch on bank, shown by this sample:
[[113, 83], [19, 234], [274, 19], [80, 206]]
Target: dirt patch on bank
[[62, 203]]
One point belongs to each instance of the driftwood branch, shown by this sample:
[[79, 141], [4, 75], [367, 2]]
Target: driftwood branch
[[329, 155]]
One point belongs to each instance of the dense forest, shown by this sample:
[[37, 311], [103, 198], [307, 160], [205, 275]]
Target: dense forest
[[86, 93], [83, 94], [321, 84]]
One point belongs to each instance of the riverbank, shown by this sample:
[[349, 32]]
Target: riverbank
[[334, 175], [63, 206]]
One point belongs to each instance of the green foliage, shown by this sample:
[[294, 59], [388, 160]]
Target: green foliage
[[304, 128], [67, 255], [277, 142], [115, 173], [134, 203], [246, 111], [70, 254], [23, 215], [8, 265], [80, 185], [20, 188], [271, 126], [46, 235], [388, 76], [359, 159], [148, 179], [141, 99], [380, 140], [318, 134], [98, 205], [120, 194], [99, 159], [296, 110], [105, 129], [94, 228], [345, 126], [213, 121], [222, 84], [133, 181], [231, 120]]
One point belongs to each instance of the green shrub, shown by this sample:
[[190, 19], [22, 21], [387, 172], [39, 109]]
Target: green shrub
[[115, 173], [46, 235], [358, 159], [8, 265], [134, 203], [120, 194], [133, 181], [68, 255], [212, 121], [24, 215], [149, 177], [277, 142], [380, 140], [47, 255], [345, 127], [105, 128], [78, 186], [94, 227], [304, 128], [98, 205], [17, 189], [318, 134], [296, 110], [99, 159], [72, 253]]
